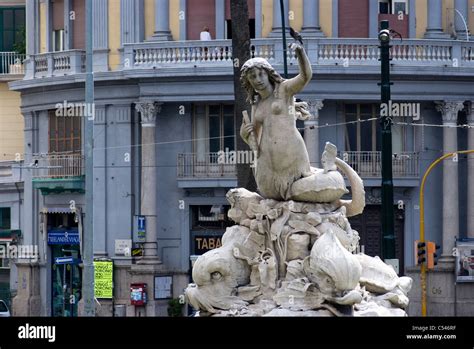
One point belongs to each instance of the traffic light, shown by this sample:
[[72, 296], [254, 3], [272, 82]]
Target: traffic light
[[431, 248], [420, 252]]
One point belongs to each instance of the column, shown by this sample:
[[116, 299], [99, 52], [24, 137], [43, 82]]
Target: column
[[311, 133], [31, 14], [182, 22], [132, 21], [434, 29], [470, 173], [49, 26], [462, 11], [373, 18], [162, 21], [276, 29], [100, 181], [68, 27], [101, 38], [449, 112], [258, 19], [311, 26], [148, 111], [220, 18]]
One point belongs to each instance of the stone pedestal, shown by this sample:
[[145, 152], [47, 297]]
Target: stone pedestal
[[444, 296], [27, 302]]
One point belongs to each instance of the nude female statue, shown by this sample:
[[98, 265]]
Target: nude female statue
[[283, 170], [282, 155]]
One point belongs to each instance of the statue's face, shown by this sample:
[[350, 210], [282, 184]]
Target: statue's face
[[258, 78]]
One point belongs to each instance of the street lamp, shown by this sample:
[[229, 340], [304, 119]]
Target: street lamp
[[283, 30], [388, 235]]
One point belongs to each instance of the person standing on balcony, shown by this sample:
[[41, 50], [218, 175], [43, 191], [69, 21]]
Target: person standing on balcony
[[205, 34]]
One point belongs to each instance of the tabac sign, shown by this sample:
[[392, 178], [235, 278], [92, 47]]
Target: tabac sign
[[203, 242]]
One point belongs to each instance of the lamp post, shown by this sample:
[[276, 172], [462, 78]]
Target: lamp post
[[88, 247], [388, 235], [283, 30]]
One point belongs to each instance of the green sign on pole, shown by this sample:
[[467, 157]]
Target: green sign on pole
[[103, 283]]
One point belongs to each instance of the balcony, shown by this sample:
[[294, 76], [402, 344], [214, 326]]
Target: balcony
[[368, 164], [57, 64], [58, 172], [321, 51], [204, 170], [11, 66]]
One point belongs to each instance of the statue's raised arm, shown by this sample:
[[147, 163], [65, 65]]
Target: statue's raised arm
[[296, 84]]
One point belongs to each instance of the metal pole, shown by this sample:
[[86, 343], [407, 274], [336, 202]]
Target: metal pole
[[388, 235], [464, 22], [283, 30], [88, 247]]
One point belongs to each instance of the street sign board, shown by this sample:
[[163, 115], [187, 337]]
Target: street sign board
[[140, 236], [63, 237], [66, 260]]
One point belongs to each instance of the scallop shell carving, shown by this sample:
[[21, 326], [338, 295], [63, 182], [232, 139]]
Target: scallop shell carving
[[377, 276]]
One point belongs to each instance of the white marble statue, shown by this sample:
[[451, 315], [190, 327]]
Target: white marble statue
[[292, 251]]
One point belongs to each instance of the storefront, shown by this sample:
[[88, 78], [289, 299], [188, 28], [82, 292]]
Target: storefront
[[63, 238]]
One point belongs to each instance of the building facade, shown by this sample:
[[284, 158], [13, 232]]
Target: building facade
[[12, 24], [157, 84]]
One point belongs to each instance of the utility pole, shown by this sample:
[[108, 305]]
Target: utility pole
[[388, 234], [283, 30], [88, 236]]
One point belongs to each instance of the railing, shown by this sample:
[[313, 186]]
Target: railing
[[191, 52], [11, 63], [369, 163], [57, 165], [56, 64], [321, 51], [204, 165]]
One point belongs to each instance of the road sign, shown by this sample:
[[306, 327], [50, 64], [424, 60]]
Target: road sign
[[141, 220], [141, 229], [66, 260]]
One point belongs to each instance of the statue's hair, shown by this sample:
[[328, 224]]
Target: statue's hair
[[260, 63]]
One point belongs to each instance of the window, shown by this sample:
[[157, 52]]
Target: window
[[228, 28], [5, 219], [364, 135], [58, 40], [12, 20], [210, 217], [213, 128], [393, 7], [64, 133]]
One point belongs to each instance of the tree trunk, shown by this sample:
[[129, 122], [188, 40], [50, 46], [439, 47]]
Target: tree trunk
[[241, 53]]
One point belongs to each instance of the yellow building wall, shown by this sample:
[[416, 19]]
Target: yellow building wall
[[114, 34], [421, 18], [150, 18], [267, 20], [295, 15], [11, 124], [42, 14], [174, 19], [325, 16]]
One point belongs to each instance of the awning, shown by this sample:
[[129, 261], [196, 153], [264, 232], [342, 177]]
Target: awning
[[59, 209], [10, 233]]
